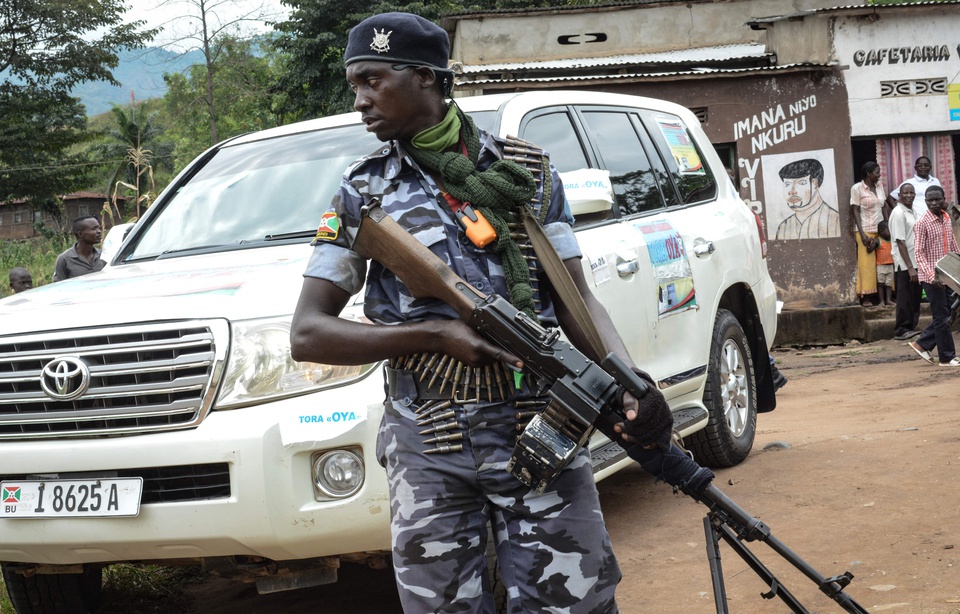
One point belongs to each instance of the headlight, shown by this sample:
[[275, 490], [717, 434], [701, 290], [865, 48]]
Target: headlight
[[338, 473], [260, 366]]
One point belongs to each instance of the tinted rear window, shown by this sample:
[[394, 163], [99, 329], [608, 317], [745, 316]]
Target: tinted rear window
[[683, 157]]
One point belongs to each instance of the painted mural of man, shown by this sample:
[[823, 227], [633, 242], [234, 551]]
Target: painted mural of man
[[812, 217]]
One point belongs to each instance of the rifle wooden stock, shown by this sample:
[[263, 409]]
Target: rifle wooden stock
[[380, 238]]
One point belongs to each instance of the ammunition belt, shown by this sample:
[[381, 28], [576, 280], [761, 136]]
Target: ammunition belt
[[427, 377], [444, 432], [433, 383], [536, 162]]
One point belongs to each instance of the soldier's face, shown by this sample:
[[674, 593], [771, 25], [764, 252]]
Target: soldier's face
[[390, 101]]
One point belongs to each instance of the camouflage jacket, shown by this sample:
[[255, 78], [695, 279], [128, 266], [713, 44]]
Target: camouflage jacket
[[411, 197]]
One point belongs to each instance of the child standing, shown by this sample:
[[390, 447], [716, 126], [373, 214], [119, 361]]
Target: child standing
[[885, 265]]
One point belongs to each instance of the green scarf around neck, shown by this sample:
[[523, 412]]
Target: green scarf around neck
[[443, 136], [496, 192]]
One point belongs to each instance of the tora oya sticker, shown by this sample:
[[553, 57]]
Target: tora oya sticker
[[329, 227]]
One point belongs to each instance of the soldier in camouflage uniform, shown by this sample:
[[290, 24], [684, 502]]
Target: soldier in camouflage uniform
[[445, 440]]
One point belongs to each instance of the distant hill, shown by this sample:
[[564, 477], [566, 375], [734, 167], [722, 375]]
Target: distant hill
[[140, 71]]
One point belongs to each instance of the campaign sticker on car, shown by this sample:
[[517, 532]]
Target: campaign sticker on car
[[87, 498]]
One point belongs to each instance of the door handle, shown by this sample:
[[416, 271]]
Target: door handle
[[704, 248], [626, 268]]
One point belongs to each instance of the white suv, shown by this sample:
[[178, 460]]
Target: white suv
[[152, 412]]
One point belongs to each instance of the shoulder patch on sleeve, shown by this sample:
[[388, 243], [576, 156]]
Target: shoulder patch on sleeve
[[329, 227]]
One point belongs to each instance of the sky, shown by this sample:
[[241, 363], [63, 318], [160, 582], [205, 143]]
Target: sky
[[178, 18]]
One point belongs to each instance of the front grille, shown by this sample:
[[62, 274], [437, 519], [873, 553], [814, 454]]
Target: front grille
[[142, 378], [162, 484]]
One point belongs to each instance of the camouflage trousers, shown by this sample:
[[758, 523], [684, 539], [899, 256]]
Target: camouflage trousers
[[553, 548]]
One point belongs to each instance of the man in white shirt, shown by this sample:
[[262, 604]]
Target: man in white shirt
[[920, 182], [902, 220]]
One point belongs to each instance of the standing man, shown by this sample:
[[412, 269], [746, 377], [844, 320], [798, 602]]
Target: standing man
[[920, 182], [448, 474], [902, 221], [20, 279], [83, 257], [812, 217], [933, 240]]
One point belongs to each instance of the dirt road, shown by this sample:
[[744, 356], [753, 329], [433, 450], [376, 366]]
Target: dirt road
[[855, 470]]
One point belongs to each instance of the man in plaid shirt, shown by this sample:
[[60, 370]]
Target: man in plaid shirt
[[933, 239]]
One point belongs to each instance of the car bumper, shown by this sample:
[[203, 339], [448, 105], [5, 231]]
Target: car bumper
[[271, 511]]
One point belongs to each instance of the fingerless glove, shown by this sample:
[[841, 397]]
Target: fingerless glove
[[654, 423]]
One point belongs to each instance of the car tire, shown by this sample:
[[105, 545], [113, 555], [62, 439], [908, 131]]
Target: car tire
[[730, 396], [54, 593]]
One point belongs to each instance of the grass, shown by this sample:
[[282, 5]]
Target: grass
[[38, 255], [5, 605]]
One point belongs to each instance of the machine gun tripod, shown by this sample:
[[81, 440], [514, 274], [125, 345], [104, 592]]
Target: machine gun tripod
[[728, 522]]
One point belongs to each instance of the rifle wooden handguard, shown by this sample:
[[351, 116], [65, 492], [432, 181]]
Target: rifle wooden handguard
[[380, 238]]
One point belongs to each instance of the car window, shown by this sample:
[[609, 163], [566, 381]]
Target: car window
[[682, 156], [554, 132], [250, 191], [484, 120], [616, 140]]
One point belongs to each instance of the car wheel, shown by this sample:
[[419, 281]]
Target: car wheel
[[730, 398], [54, 593]]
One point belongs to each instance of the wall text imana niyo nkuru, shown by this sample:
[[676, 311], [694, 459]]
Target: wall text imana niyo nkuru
[[772, 126]]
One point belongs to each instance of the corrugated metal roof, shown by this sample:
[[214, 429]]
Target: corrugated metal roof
[[570, 8], [721, 53], [850, 8], [697, 73]]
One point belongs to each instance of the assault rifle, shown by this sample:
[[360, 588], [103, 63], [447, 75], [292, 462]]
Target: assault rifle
[[583, 396]]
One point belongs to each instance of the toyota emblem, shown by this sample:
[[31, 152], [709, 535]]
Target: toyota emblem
[[65, 378]]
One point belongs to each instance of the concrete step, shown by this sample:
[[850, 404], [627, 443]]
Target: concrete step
[[884, 328], [839, 325]]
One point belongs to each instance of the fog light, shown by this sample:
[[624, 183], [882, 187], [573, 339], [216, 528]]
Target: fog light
[[338, 474]]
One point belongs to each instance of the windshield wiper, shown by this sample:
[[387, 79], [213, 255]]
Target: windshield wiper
[[300, 234], [198, 249]]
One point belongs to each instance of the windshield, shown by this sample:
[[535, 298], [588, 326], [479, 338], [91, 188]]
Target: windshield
[[252, 191]]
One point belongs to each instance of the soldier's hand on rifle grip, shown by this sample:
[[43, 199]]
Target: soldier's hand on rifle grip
[[649, 419], [466, 345]]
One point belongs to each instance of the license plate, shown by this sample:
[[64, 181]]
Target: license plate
[[88, 498]]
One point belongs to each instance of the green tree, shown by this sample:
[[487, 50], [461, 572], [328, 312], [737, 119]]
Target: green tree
[[37, 129], [315, 36], [314, 39], [138, 144], [242, 80], [47, 47], [207, 26]]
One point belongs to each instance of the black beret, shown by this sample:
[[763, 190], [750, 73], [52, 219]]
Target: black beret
[[401, 38]]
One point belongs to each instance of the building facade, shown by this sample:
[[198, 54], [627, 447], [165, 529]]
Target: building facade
[[783, 88], [900, 65], [17, 219]]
